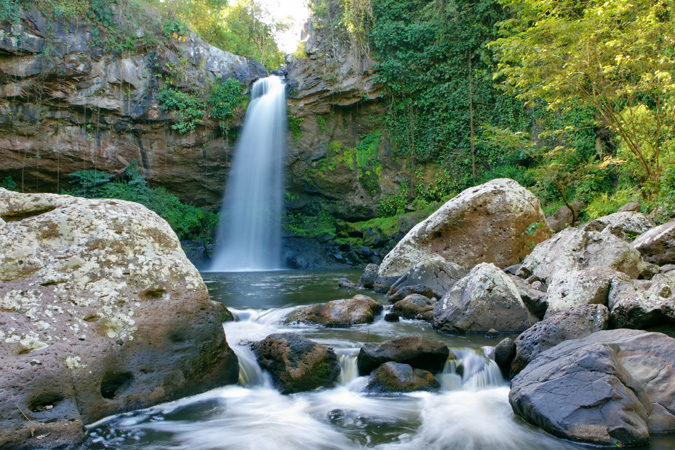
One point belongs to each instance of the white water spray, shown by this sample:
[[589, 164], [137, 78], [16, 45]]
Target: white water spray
[[249, 234]]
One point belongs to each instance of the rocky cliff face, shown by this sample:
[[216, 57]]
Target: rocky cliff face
[[338, 159], [68, 103]]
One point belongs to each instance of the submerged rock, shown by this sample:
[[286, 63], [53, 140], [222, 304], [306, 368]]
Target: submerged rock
[[486, 223], [486, 298], [338, 313], [611, 388], [572, 324], [296, 363], [397, 377], [418, 352], [102, 314]]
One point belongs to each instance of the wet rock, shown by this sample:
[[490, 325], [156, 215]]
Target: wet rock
[[625, 225], [391, 317], [563, 217], [491, 333], [611, 388], [107, 315], [657, 245], [344, 283], [338, 313], [486, 223], [580, 287], [574, 323], [486, 298], [574, 249], [369, 276], [418, 352], [415, 306], [296, 363], [643, 303], [420, 289], [398, 377], [435, 273], [504, 353]]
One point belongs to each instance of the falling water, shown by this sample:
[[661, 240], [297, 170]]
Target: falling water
[[249, 234]]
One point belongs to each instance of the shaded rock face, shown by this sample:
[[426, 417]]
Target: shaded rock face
[[610, 388], [338, 313], [563, 217], [296, 363], [575, 249], [398, 377], [102, 313], [101, 111], [486, 223], [534, 299], [485, 299], [572, 324], [580, 287], [657, 245], [369, 276], [624, 224], [642, 303], [418, 352], [415, 306], [436, 273]]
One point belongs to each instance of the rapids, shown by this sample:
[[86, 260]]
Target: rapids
[[470, 413]]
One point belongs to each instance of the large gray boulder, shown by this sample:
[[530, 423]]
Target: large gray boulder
[[624, 224], [576, 249], [571, 324], [643, 303], [436, 273], [580, 287], [338, 313], [483, 300], [486, 223], [418, 352], [296, 363], [102, 314], [657, 245], [611, 388]]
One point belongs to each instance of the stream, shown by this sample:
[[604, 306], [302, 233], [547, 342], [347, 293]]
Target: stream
[[471, 412]]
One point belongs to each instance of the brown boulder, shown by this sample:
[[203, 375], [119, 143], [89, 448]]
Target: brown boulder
[[338, 313], [418, 352]]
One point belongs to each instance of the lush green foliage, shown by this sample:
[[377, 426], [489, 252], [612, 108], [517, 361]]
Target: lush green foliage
[[9, 184], [189, 222]]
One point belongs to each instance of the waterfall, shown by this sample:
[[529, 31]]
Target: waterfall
[[249, 233]]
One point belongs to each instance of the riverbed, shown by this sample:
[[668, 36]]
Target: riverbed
[[471, 412]]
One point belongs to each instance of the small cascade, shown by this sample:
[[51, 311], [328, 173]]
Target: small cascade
[[349, 369], [470, 371], [250, 373], [249, 233]]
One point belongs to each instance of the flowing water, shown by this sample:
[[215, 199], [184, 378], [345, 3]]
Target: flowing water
[[471, 412], [249, 234]]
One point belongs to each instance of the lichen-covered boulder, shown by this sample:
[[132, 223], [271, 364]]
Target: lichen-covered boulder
[[493, 222], [338, 313], [571, 324], [580, 287], [642, 303], [102, 313], [624, 224], [485, 299], [415, 306], [398, 377], [657, 245], [296, 363], [611, 388], [576, 249], [418, 352]]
